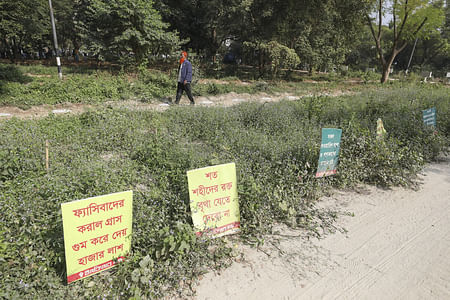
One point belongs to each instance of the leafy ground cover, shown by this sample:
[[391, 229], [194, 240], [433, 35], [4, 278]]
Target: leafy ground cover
[[26, 86], [275, 147]]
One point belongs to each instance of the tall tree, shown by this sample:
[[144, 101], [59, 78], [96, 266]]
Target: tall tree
[[410, 19], [119, 27], [205, 23], [24, 25], [432, 53], [68, 15], [321, 31], [362, 54]]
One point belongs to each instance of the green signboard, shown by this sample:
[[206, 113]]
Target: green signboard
[[329, 152], [429, 117]]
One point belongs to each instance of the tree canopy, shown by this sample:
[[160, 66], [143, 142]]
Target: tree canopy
[[410, 19], [122, 27], [23, 25], [323, 34]]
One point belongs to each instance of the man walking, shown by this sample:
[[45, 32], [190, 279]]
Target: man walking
[[184, 78]]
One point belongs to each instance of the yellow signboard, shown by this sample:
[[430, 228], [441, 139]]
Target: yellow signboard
[[97, 233], [214, 200]]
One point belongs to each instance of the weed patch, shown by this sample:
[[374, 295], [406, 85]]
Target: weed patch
[[275, 147]]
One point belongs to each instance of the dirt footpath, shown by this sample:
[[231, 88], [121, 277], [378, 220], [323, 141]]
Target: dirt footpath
[[225, 100], [397, 246]]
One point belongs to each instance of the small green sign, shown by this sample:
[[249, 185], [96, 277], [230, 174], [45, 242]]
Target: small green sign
[[329, 152], [429, 117]]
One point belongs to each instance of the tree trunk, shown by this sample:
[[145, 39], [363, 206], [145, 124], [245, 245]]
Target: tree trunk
[[213, 46], [385, 75], [387, 65], [15, 50], [8, 49], [76, 50], [261, 63]]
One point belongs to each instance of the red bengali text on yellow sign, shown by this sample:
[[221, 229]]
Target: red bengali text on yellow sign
[[214, 200], [97, 233]]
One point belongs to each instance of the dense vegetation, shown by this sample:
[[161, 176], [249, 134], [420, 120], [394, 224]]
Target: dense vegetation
[[25, 86], [275, 147], [304, 34], [133, 45]]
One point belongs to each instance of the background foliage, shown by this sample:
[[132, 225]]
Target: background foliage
[[323, 34], [275, 147]]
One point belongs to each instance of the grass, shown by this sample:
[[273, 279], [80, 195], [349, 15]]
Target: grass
[[27, 86], [275, 147]]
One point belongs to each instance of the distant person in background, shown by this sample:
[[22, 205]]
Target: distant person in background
[[184, 78], [76, 55]]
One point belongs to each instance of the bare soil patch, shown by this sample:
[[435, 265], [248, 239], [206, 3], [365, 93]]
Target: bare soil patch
[[396, 247], [225, 100], [7, 112]]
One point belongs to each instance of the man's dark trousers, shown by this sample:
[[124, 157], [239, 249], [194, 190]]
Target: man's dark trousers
[[184, 87]]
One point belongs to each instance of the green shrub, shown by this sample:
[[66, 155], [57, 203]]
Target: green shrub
[[275, 147], [153, 84], [174, 241], [383, 162], [74, 88], [12, 73]]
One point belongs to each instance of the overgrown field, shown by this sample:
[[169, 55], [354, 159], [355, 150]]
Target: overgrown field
[[26, 86], [275, 147]]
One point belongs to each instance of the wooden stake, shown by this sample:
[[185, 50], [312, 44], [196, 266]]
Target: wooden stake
[[46, 155]]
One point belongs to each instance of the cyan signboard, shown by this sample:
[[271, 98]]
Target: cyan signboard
[[429, 117], [329, 152]]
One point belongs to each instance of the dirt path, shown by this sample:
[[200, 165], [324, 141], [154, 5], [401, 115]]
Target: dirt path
[[397, 247], [8, 112]]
